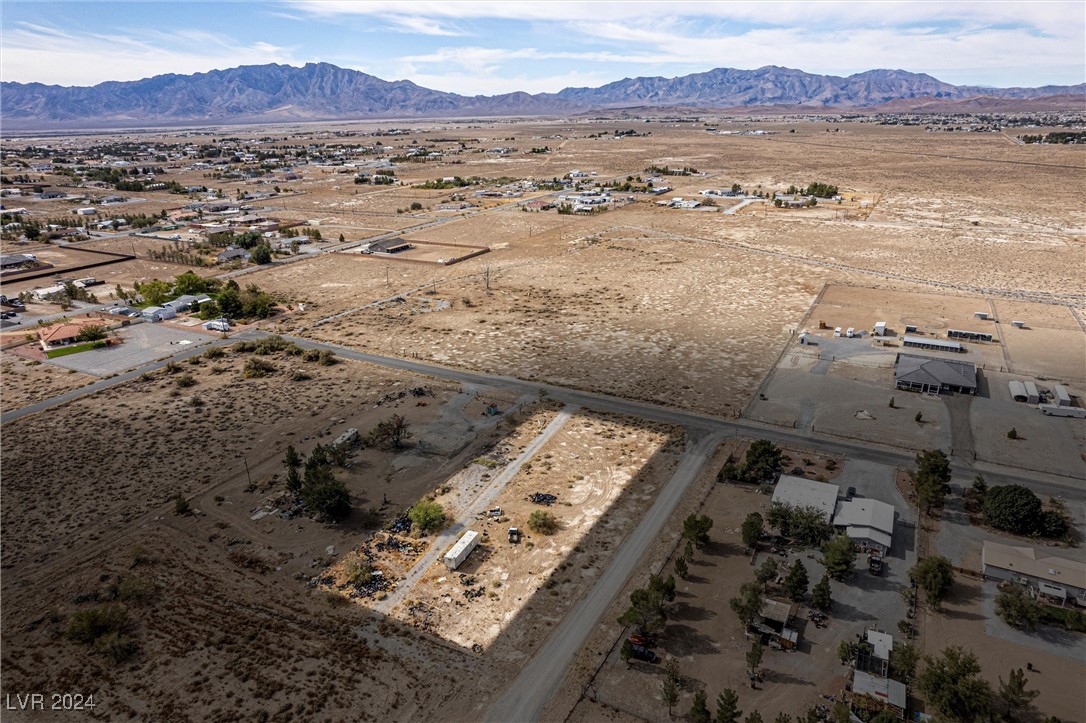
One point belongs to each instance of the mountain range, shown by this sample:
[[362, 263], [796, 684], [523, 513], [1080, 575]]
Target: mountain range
[[321, 91]]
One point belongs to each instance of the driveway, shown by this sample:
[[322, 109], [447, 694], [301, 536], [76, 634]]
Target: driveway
[[143, 343]]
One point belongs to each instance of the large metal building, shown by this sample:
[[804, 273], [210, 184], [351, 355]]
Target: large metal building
[[924, 342]]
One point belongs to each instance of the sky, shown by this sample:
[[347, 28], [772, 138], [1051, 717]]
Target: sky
[[478, 47]]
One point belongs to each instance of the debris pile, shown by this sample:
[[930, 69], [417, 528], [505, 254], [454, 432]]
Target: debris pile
[[542, 498]]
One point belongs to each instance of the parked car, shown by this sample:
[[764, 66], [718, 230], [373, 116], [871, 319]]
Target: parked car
[[642, 653], [8, 315]]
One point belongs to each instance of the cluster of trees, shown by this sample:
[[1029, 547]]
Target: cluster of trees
[[808, 525], [648, 605], [316, 485], [1018, 510], [228, 298], [1019, 610], [313, 234], [382, 177], [1060, 137], [763, 460], [816, 189], [668, 171], [178, 256], [951, 684]]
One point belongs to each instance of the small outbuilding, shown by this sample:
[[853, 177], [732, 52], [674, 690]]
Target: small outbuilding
[[1018, 391], [924, 342], [1062, 396]]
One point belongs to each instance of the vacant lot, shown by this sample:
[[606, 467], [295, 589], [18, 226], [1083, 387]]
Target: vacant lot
[[26, 381]]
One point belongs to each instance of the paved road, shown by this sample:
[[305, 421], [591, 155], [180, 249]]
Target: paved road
[[482, 501], [539, 680]]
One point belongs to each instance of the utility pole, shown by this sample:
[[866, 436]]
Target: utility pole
[[247, 475]]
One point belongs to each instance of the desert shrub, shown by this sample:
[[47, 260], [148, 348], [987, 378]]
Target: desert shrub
[[134, 589], [257, 368], [542, 522], [299, 376], [186, 380], [104, 629], [180, 504], [327, 358], [427, 515], [358, 571], [214, 352]]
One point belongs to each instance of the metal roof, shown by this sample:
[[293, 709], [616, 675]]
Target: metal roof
[[866, 520], [884, 689], [1024, 560], [801, 492], [930, 341]]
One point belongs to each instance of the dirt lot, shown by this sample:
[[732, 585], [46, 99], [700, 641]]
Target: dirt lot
[[603, 471], [25, 381], [966, 621]]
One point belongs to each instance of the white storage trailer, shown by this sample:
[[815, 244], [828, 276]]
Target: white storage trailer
[[1032, 395], [460, 551], [1054, 410], [1063, 397], [1018, 391], [880, 328]]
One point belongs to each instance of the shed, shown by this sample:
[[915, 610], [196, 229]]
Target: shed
[[1032, 395], [1018, 391], [880, 328], [1018, 324], [1063, 397]]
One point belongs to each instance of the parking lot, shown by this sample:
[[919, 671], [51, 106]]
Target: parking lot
[[143, 343]]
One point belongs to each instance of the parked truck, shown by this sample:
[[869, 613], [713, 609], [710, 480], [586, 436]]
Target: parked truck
[[460, 551], [1055, 410]]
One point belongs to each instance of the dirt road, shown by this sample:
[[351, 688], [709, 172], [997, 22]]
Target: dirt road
[[539, 680], [483, 501]]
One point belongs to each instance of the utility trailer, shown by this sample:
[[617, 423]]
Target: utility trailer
[[460, 551], [1055, 410]]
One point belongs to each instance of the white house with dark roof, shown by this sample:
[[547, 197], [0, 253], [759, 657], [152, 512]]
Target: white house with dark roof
[[916, 373]]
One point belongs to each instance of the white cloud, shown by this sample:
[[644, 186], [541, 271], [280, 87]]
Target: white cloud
[[53, 56]]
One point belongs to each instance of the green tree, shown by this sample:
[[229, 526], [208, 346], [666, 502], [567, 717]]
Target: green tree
[[699, 711], [681, 568], [1012, 434], [727, 707], [820, 595], [543, 522], [1016, 607], [328, 499], [903, 660], [427, 516], [261, 254], [1013, 508], [648, 604], [293, 461], [696, 529], [931, 479], [844, 652], [763, 460], [91, 332], [752, 529], [935, 576], [390, 434], [767, 571], [191, 283], [155, 292], [795, 584], [753, 717], [627, 651], [669, 686], [951, 684], [229, 300], [748, 605], [839, 556], [754, 657], [782, 718], [1013, 699]]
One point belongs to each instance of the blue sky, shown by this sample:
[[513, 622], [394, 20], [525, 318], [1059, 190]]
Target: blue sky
[[470, 47]]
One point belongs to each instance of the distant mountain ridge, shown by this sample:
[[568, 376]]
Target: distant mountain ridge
[[321, 91]]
